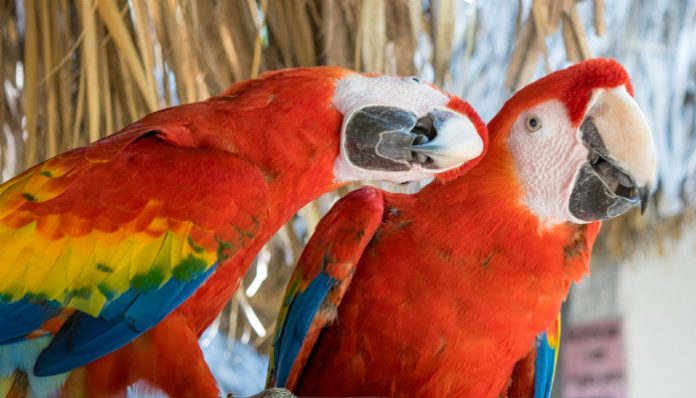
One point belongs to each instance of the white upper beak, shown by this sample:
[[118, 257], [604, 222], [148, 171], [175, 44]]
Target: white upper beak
[[625, 133], [456, 143]]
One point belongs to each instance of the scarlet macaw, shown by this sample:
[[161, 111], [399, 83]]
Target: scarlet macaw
[[440, 293], [101, 243]]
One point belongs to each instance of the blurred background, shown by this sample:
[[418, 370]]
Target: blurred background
[[75, 71]]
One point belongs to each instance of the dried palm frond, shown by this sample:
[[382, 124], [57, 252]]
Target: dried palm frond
[[544, 19]]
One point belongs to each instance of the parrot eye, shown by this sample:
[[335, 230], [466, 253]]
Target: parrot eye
[[533, 124], [415, 79]]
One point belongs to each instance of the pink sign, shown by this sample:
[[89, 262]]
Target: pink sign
[[593, 361]]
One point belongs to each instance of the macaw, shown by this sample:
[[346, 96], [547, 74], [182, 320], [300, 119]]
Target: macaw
[[441, 293], [119, 254]]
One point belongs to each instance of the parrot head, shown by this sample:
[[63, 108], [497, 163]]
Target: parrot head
[[401, 129], [581, 147]]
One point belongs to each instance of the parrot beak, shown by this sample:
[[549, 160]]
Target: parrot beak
[[386, 138], [455, 142], [621, 166]]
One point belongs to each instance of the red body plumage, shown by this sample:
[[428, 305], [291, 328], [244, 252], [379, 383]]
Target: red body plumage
[[447, 310], [238, 121], [458, 279], [286, 130]]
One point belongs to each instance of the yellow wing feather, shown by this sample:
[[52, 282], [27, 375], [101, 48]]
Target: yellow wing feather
[[84, 259]]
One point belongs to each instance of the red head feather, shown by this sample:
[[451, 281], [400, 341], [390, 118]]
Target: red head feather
[[463, 107], [573, 86]]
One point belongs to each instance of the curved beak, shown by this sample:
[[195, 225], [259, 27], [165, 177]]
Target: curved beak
[[392, 139], [621, 166], [455, 140]]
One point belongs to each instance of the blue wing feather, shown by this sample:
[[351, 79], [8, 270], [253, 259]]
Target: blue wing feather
[[544, 366], [24, 316], [83, 338], [301, 313], [322, 275]]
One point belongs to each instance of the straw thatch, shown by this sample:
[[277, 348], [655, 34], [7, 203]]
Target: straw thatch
[[74, 71]]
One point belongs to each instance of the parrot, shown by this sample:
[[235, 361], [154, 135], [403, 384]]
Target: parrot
[[456, 290], [119, 254]]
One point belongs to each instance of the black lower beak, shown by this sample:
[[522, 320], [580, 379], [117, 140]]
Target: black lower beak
[[368, 127], [598, 196], [602, 189], [392, 139]]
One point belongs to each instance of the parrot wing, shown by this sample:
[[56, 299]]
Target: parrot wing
[[547, 345], [320, 280], [113, 237], [533, 375], [548, 342]]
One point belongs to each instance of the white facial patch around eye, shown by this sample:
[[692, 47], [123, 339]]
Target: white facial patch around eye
[[547, 161], [357, 91]]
